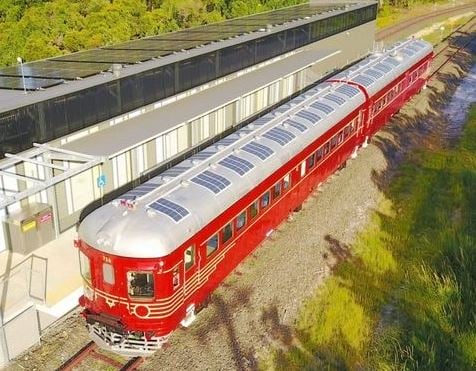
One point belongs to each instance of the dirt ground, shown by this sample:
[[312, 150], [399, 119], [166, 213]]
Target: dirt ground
[[257, 305]]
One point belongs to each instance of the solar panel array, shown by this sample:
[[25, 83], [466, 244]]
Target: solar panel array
[[259, 150], [297, 125], [54, 71], [365, 81], [322, 107], [348, 90], [211, 181], [335, 98], [169, 208], [373, 73], [279, 135], [309, 116], [237, 164], [382, 67]]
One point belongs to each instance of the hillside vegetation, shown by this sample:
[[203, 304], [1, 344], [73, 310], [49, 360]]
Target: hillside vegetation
[[37, 29]]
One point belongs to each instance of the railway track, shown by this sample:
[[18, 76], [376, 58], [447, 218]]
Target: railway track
[[90, 351], [392, 30], [450, 50]]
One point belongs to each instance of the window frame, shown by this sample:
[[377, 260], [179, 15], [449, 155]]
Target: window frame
[[228, 237], [207, 244], [140, 297], [262, 197], [190, 264], [87, 259], [244, 214], [256, 204], [112, 272]]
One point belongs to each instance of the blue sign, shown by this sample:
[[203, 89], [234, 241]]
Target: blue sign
[[101, 181]]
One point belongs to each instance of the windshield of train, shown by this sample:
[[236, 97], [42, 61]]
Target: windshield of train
[[140, 284], [85, 266]]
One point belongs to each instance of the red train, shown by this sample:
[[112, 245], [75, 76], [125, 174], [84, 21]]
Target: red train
[[151, 257]]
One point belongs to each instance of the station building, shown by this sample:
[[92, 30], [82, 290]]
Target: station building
[[78, 129]]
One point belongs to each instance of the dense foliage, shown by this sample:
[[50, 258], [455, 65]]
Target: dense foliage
[[35, 29]]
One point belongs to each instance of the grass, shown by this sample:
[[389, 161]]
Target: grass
[[449, 26], [389, 15], [406, 299]]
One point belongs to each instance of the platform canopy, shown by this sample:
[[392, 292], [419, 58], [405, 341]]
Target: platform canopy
[[46, 158]]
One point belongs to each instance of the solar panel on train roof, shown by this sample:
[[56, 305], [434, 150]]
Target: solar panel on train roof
[[322, 107], [373, 73], [382, 67], [280, 136], [309, 116], [297, 125], [350, 91], [335, 98], [237, 164], [390, 60], [363, 80], [259, 150], [211, 181], [169, 208], [140, 191]]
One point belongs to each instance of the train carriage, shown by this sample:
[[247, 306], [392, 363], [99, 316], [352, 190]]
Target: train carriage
[[152, 256]]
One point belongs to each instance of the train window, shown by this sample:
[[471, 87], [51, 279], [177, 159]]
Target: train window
[[140, 284], [240, 220], [253, 209], [85, 266], [108, 273], [286, 181], [276, 190], [265, 200], [333, 142], [212, 245], [319, 155], [326, 148], [189, 257], [227, 232], [340, 138], [311, 161], [347, 131]]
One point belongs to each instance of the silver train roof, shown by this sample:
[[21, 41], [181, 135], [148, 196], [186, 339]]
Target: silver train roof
[[153, 219]]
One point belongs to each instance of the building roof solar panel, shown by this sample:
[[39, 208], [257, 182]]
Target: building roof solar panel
[[309, 116], [335, 98], [322, 107], [237, 164], [297, 125], [211, 181], [31, 83], [169, 208], [51, 69], [112, 56], [259, 150]]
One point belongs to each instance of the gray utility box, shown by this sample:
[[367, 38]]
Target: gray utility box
[[30, 227]]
